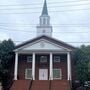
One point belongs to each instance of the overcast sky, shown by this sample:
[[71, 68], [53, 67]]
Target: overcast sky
[[70, 20]]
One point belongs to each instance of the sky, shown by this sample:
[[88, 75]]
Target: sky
[[70, 20]]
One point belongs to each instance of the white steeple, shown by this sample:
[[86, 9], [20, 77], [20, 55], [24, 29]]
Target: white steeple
[[44, 27]]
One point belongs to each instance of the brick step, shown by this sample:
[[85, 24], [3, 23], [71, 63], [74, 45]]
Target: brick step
[[40, 85], [60, 85], [21, 85]]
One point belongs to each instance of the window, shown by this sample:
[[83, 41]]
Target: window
[[44, 21], [28, 74], [43, 59], [57, 73], [29, 59], [56, 58]]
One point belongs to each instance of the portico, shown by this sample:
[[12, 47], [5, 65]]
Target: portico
[[57, 55], [48, 68]]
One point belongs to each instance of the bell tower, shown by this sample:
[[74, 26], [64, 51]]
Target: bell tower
[[44, 27]]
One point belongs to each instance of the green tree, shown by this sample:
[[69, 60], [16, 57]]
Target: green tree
[[6, 56], [89, 70], [82, 57]]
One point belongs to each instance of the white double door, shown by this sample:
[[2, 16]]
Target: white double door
[[43, 74]]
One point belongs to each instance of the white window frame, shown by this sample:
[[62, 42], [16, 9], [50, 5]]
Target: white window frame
[[43, 61], [29, 57], [26, 73], [60, 74], [56, 61]]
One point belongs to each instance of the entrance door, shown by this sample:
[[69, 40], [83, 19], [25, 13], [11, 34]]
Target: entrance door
[[43, 74]]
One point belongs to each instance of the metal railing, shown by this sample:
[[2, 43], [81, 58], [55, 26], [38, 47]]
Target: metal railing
[[30, 84]]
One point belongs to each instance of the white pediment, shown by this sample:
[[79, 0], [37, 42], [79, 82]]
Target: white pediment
[[43, 45]]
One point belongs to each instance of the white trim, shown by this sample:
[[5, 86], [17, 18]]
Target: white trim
[[70, 78], [29, 57], [30, 44], [26, 73], [43, 59], [55, 44], [56, 61], [60, 74], [16, 66], [42, 52]]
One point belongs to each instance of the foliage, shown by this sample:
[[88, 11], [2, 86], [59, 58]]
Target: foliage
[[82, 57], [6, 55]]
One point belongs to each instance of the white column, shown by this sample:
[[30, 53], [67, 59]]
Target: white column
[[33, 67], [16, 66], [51, 67], [68, 66]]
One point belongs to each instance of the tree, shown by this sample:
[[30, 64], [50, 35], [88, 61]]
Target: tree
[[6, 56], [82, 57], [89, 70]]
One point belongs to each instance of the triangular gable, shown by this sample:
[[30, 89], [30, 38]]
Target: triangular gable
[[44, 43]]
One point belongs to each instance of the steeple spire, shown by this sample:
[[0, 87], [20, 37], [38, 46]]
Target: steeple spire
[[45, 11], [44, 27]]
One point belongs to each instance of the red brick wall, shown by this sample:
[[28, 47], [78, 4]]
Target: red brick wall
[[62, 65], [41, 66], [23, 65]]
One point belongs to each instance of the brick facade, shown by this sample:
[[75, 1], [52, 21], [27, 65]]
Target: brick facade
[[23, 64]]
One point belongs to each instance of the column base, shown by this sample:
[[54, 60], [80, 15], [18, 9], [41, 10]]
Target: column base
[[15, 77]]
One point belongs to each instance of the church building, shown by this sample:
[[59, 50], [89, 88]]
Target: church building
[[43, 63]]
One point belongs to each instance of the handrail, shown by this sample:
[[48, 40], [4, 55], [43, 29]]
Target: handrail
[[30, 84]]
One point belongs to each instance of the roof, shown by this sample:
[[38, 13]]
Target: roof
[[45, 11], [61, 43]]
